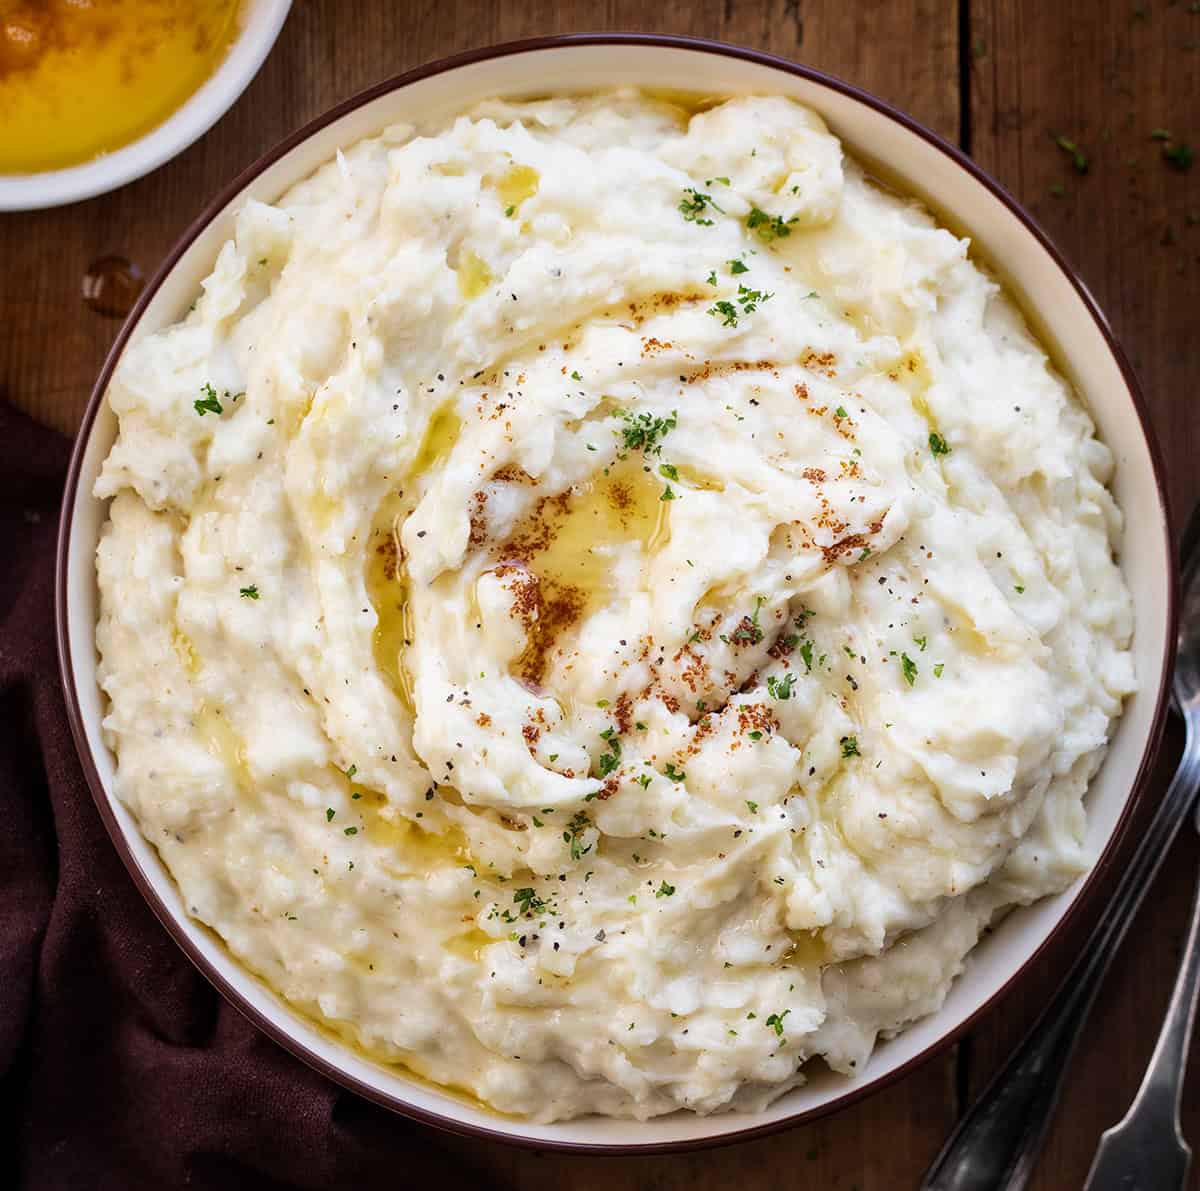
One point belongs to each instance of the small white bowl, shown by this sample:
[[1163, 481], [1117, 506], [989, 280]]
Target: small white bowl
[[260, 22], [1064, 315]]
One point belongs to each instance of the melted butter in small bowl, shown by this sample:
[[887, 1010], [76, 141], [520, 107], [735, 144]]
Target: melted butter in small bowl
[[79, 78]]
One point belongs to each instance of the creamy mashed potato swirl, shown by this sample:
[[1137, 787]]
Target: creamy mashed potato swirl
[[603, 603]]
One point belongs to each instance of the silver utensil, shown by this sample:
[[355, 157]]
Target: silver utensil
[[1146, 1148], [996, 1143]]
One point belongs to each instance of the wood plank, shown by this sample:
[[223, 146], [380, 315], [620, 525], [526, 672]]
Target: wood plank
[[1105, 76]]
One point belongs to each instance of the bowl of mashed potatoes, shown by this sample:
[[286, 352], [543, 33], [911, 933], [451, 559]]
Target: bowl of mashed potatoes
[[614, 592]]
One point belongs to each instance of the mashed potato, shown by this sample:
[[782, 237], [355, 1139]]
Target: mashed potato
[[603, 603]]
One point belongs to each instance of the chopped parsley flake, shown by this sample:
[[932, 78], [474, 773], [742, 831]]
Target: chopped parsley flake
[[756, 735], [751, 299], [712, 278], [573, 836], [329, 813], [1180, 155], [676, 775], [351, 772], [1019, 589], [775, 1022], [781, 688], [753, 806], [806, 653], [938, 445], [1078, 157], [938, 668], [737, 267], [249, 593], [668, 493], [644, 780], [922, 642], [850, 746], [576, 376], [768, 227], [350, 831], [694, 208], [208, 404], [728, 312], [645, 432], [527, 902], [840, 412], [610, 760], [908, 668], [664, 890], [669, 470]]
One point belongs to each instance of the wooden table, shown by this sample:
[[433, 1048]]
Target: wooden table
[[1000, 77]]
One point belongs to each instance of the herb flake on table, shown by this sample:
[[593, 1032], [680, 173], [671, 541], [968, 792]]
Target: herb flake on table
[[1078, 158]]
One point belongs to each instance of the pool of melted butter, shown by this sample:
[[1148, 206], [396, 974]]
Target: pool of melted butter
[[80, 78], [565, 541]]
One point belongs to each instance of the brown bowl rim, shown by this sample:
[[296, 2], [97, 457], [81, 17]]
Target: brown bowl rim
[[1091, 882]]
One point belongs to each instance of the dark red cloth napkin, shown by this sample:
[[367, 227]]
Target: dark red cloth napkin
[[120, 1066]]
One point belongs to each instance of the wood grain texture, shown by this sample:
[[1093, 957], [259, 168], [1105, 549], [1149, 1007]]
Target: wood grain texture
[[1104, 75]]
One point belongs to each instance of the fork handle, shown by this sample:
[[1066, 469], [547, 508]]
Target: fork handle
[[1147, 1147], [996, 1143]]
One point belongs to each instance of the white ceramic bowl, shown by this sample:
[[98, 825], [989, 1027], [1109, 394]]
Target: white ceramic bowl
[[1064, 314], [260, 22]]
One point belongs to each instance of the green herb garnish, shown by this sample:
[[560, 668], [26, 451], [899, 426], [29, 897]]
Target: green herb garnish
[[768, 227], [775, 1022], [645, 432], [694, 208], [781, 688], [208, 404]]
